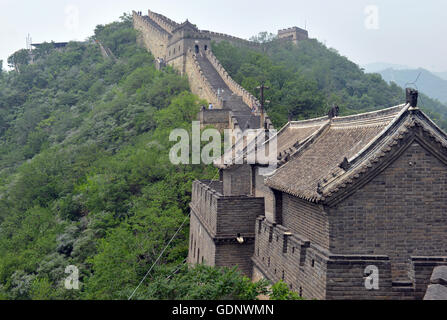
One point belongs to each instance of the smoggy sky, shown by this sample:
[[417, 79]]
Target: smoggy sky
[[405, 32]]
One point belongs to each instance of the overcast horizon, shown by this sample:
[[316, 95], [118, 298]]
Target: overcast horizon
[[403, 32]]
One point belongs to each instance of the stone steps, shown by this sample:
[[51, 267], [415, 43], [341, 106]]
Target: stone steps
[[240, 110], [212, 75]]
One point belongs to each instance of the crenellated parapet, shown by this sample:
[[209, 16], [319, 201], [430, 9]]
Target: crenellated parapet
[[247, 97], [153, 37], [199, 82], [188, 50], [221, 229], [293, 34], [168, 24], [219, 37]]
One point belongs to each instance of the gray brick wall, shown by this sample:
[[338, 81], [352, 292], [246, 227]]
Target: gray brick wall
[[261, 190], [235, 254], [216, 221], [201, 244], [402, 212], [281, 256], [306, 219], [237, 180]]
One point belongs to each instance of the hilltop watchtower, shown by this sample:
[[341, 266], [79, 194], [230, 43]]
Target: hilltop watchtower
[[293, 34]]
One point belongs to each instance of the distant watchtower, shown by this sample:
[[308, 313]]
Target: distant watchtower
[[293, 34]]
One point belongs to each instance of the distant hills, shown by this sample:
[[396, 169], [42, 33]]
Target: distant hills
[[432, 84], [376, 67], [442, 75]]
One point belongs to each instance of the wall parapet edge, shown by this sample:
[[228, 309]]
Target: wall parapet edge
[[247, 97]]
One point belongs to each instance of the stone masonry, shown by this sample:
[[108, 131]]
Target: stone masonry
[[353, 200], [350, 195], [188, 50]]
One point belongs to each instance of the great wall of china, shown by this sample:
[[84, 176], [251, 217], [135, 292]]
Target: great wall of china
[[188, 50], [351, 197]]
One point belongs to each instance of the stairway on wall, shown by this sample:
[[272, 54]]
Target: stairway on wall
[[242, 112]]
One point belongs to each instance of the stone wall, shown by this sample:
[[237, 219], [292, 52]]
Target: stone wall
[[238, 42], [163, 21], [261, 190], [402, 212], [237, 180], [314, 272], [201, 245], [247, 97], [217, 221], [306, 219], [198, 82], [236, 254], [155, 40], [224, 215], [293, 34], [218, 118], [238, 215], [204, 204], [179, 63], [281, 255], [346, 278]]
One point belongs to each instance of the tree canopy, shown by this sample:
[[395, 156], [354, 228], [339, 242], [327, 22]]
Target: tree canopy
[[307, 79], [85, 176]]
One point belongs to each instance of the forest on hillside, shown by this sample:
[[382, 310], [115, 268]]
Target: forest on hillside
[[85, 177], [307, 79]]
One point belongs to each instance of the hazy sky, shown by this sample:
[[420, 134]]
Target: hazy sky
[[406, 32]]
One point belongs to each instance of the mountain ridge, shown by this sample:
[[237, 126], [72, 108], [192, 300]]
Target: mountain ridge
[[427, 82]]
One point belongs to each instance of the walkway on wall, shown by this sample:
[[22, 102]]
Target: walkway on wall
[[233, 98], [240, 110]]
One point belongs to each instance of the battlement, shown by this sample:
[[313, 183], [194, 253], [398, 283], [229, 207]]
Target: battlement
[[222, 232], [168, 24], [293, 34], [218, 118], [280, 254], [201, 84], [224, 217], [218, 37], [247, 97]]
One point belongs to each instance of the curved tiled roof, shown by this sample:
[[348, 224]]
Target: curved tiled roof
[[296, 132], [314, 166], [292, 135]]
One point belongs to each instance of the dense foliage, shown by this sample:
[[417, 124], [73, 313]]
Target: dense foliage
[[306, 80], [84, 172], [85, 176]]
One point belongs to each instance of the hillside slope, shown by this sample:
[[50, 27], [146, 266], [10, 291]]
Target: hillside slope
[[86, 181], [85, 175], [307, 79], [427, 82]]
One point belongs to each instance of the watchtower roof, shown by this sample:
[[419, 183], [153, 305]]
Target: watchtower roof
[[186, 25], [344, 150]]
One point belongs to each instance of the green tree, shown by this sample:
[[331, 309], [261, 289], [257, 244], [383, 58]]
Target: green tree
[[280, 291], [19, 59]]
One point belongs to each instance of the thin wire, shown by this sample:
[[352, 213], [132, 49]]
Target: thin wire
[[414, 82], [181, 226], [178, 230], [177, 269], [147, 273]]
